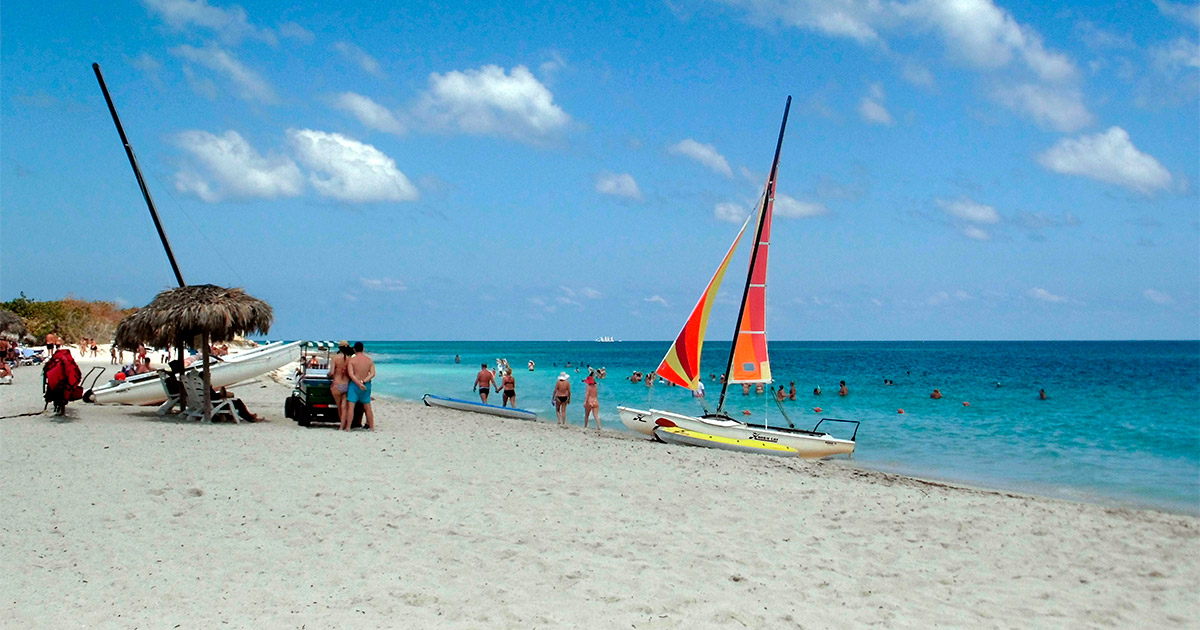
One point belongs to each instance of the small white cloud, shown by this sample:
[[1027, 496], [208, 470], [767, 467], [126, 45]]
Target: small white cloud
[[1108, 157], [975, 233], [1058, 108], [349, 170], [918, 74], [294, 31], [490, 101], [591, 293], [250, 86], [371, 114], [1039, 293], [360, 58], [383, 284], [786, 206], [233, 169], [938, 299], [969, 210], [871, 107], [656, 299], [730, 212], [1185, 12], [1158, 297], [618, 185], [231, 25], [705, 154]]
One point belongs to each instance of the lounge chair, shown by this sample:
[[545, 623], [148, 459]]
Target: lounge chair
[[193, 385], [174, 391]]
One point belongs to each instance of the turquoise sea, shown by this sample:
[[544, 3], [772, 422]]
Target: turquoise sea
[[1121, 424]]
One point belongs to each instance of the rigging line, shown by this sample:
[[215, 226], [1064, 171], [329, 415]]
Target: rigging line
[[178, 206]]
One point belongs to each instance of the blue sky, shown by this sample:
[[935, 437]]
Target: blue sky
[[952, 170]]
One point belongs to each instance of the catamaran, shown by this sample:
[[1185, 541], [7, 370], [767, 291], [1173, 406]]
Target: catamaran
[[748, 360]]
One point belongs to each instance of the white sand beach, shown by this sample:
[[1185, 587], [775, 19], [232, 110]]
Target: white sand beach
[[116, 518]]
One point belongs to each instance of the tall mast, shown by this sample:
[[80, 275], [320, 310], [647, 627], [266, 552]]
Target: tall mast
[[138, 173], [768, 199]]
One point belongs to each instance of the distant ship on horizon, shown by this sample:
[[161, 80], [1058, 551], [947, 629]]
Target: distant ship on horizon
[[605, 340]]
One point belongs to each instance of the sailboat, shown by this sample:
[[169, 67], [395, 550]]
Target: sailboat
[[748, 359]]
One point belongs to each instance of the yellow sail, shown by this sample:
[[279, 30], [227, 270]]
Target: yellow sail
[[682, 363]]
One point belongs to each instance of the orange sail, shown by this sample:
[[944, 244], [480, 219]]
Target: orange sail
[[682, 363], [750, 362]]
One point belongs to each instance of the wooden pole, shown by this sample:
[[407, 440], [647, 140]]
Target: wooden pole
[[207, 377]]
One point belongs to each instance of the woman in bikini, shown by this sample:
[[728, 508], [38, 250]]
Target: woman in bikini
[[341, 382], [591, 401], [562, 397]]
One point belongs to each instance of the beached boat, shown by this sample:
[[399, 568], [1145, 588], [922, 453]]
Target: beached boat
[[748, 360], [145, 389], [478, 407], [677, 435]]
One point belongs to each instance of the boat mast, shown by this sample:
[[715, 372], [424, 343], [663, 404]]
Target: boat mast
[[138, 173], [768, 198]]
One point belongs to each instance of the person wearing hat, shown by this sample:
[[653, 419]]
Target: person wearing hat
[[591, 400], [341, 381], [562, 397]]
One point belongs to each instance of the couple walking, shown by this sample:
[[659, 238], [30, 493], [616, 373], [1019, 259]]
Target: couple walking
[[486, 379], [352, 372], [591, 399]]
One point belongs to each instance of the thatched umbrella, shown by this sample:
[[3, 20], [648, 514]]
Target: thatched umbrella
[[11, 325], [204, 311]]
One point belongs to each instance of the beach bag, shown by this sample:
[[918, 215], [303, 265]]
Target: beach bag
[[63, 378]]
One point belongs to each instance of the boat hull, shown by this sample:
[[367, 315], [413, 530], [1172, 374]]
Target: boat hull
[[146, 389], [808, 445], [676, 435], [478, 407]]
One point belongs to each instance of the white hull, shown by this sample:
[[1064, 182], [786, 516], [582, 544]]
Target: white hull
[[809, 445], [478, 407], [145, 389]]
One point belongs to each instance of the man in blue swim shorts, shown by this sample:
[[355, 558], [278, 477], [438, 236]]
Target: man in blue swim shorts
[[362, 371]]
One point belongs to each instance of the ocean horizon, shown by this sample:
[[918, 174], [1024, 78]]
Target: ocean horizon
[[1119, 425]]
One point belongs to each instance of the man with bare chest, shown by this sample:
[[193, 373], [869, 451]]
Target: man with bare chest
[[361, 369]]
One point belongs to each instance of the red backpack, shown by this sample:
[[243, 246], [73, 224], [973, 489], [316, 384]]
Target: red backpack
[[63, 378]]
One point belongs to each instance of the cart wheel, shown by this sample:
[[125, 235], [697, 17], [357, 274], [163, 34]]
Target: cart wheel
[[302, 417], [289, 407]]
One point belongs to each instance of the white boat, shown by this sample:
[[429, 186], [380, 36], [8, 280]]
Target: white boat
[[478, 407], [146, 389], [678, 435], [605, 340], [748, 359]]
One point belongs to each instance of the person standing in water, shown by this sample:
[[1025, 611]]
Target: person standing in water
[[483, 382], [361, 369], [509, 385], [562, 397], [591, 401], [842, 389], [341, 382]]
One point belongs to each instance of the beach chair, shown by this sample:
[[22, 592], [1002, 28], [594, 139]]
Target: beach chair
[[174, 391], [193, 386]]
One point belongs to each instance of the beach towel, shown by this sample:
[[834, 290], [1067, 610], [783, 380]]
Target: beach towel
[[63, 380]]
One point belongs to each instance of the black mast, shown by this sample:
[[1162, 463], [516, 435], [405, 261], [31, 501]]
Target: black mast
[[768, 198], [138, 173]]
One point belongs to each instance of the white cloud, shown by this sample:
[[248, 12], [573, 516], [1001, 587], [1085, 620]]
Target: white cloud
[[618, 185], [705, 154], [292, 30], [1158, 297], [1108, 157], [359, 57], [945, 297], [656, 299], [871, 107], [349, 170], [917, 74], [1039, 293], [976, 233], [371, 114], [232, 169], [489, 101], [591, 293], [975, 32], [969, 210], [232, 24], [250, 86], [383, 284], [1189, 13], [1179, 54], [786, 206], [730, 212], [1059, 108]]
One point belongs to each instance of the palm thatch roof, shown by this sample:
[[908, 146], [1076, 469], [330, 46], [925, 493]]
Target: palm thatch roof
[[180, 314], [12, 326]]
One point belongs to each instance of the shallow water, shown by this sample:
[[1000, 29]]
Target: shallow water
[[1120, 423]]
